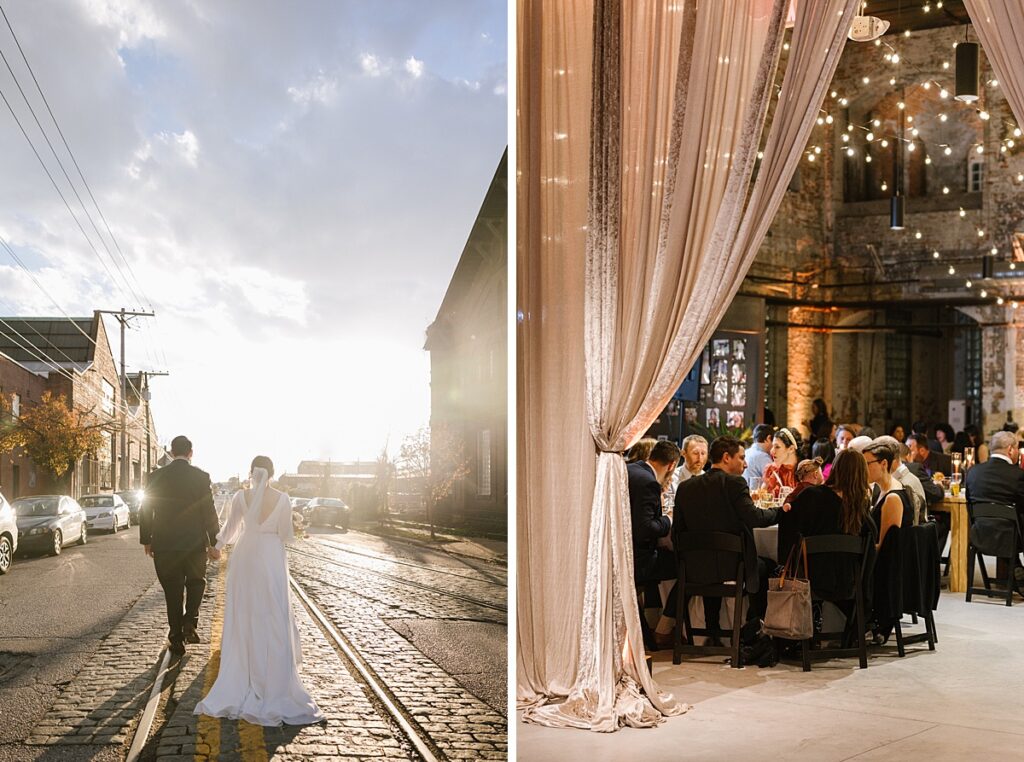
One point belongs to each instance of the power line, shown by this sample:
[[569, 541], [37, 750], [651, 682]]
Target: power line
[[71, 153], [61, 194]]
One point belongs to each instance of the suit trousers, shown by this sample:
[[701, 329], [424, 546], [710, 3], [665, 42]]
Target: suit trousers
[[182, 575], [657, 568]]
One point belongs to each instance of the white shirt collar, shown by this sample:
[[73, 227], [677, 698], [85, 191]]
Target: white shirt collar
[[1002, 457]]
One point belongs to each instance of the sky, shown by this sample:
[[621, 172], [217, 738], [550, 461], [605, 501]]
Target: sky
[[290, 185]]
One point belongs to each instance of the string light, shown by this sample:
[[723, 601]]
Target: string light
[[983, 293], [968, 283], [999, 300], [962, 212], [951, 270], [935, 254]]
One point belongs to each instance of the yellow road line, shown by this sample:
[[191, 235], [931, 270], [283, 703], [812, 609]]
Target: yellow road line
[[252, 744], [208, 728]]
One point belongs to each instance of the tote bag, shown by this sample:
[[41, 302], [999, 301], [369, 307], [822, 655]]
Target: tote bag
[[789, 600]]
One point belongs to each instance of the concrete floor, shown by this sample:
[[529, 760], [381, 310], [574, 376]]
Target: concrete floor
[[961, 701]]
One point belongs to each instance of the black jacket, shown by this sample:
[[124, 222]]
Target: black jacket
[[649, 523], [178, 512], [996, 481], [720, 502], [937, 461], [933, 493]]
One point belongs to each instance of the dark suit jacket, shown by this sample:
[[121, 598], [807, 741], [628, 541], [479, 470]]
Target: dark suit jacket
[[720, 502], [933, 492], [995, 481], [937, 461], [178, 512], [648, 521]]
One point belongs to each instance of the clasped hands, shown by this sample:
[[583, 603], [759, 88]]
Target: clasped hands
[[211, 553]]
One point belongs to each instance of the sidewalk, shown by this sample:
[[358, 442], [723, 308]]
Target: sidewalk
[[479, 548]]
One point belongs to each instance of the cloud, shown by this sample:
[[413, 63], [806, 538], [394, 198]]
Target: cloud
[[291, 207], [321, 89], [370, 65], [414, 67]]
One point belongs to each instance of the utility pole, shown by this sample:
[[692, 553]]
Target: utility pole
[[123, 316], [145, 375]]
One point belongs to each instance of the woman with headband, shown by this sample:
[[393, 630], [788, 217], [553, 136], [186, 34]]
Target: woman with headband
[[781, 472]]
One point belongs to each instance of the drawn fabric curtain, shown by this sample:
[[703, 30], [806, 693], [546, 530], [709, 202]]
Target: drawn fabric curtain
[[679, 96], [1000, 26]]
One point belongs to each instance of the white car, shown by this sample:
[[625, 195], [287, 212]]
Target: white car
[[106, 512], [8, 535]]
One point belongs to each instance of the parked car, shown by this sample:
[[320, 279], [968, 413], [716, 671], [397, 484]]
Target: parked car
[[106, 512], [328, 511], [49, 522], [8, 535], [299, 503], [133, 499]]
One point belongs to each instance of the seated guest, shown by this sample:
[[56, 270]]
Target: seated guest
[[808, 473], [974, 440], [639, 452], [892, 506], [652, 563], [841, 506], [902, 474], [695, 455], [998, 480], [898, 433], [720, 502], [757, 454], [860, 441], [781, 472], [931, 461], [826, 453], [944, 435], [921, 427], [844, 434], [933, 492]]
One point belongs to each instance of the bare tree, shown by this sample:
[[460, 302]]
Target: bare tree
[[437, 456]]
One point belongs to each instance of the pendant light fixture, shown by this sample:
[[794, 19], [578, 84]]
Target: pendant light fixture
[[967, 70], [896, 203]]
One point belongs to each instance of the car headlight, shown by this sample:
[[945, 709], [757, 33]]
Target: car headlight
[[39, 530]]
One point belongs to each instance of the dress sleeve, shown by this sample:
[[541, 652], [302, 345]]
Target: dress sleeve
[[233, 527], [284, 524]]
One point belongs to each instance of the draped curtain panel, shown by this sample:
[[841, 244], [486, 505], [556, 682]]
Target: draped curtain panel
[[1000, 26], [679, 96]]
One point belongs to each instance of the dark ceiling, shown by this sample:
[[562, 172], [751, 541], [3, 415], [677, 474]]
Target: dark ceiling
[[910, 14]]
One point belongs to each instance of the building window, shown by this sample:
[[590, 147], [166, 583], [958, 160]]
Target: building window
[[975, 175], [16, 405], [108, 397], [483, 463]]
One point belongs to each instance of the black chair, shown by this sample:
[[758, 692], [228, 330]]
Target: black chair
[[722, 543], [839, 544], [994, 531], [920, 569]]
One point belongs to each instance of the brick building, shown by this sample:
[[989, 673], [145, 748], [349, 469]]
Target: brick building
[[72, 358], [468, 364], [19, 387], [891, 326]]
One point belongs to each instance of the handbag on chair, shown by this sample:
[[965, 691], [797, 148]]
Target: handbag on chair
[[789, 599]]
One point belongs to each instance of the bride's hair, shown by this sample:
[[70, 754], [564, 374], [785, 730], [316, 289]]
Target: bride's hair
[[262, 461]]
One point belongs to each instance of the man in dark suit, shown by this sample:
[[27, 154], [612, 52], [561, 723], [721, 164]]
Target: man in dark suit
[[652, 563], [178, 528], [719, 501], [931, 461], [998, 480]]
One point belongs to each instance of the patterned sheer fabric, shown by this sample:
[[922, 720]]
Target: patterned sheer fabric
[[679, 96], [1000, 26]]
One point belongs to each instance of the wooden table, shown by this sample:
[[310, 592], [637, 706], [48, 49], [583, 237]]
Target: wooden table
[[956, 507]]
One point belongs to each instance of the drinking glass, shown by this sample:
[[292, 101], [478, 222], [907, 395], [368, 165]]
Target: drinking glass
[[968, 457], [956, 458], [954, 484], [754, 483]]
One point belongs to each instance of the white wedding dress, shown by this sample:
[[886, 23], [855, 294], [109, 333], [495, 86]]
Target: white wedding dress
[[260, 651]]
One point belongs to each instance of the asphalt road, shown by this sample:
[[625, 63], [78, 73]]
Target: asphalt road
[[53, 613]]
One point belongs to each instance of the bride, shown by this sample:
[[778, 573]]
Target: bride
[[260, 652]]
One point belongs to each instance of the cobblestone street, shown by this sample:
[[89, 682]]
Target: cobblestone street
[[373, 594]]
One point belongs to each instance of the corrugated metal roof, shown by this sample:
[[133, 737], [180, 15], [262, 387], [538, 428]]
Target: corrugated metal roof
[[59, 340]]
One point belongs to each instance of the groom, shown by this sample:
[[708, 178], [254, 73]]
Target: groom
[[178, 528]]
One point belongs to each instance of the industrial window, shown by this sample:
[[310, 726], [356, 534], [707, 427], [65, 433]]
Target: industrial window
[[16, 405], [897, 371], [975, 175], [483, 469], [108, 397]]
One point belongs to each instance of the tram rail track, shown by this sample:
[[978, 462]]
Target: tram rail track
[[428, 588], [323, 539]]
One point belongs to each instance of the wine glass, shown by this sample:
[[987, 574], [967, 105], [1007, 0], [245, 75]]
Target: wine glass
[[957, 458], [968, 457]]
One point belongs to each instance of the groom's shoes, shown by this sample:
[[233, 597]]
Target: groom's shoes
[[191, 636], [176, 648]]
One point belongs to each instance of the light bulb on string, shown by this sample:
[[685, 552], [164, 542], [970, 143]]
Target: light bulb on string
[[927, 159], [1013, 265], [968, 284], [810, 157], [981, 233], [821, 120], [935, 254], [993, 251], [885, 143], [983, 293], [885, 186], [1020, 178], [980, 149], [945, 64], [947, 150], [962, 212], [869, 137], [999, 300], [846, 138], [876, 123], [917, 235], [943, 93], [844, 102], [817, 149], [984, 115], [849, 128], [914, 132], [850, 152], [945, 189], [1010, 143], [943, 117], [1016, 132], [892, 80], [911, 147], [951, 270], [829, 119]]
